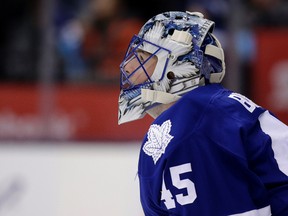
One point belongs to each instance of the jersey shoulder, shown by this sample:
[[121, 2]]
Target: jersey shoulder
[[173, 126]]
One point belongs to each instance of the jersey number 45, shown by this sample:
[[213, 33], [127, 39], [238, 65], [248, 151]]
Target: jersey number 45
[[169, 199]]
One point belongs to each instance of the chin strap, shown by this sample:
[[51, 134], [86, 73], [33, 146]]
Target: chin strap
[[148, 95], [178, 87]]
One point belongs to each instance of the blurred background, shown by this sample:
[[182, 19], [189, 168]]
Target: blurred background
[[62, 151]]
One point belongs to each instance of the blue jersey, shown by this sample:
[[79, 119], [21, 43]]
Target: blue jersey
[[214, 153]]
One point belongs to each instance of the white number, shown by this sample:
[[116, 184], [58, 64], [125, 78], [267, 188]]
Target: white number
[[183, 183], [247, 103], [167, 197], [179, 183]]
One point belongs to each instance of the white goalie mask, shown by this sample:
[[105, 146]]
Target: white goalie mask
[[185, 54]]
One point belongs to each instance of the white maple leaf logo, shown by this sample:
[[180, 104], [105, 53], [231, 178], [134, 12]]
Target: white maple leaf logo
[[158, 140]]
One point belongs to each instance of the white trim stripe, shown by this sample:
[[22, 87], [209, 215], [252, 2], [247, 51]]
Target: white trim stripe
[[266, 211], [278, 132]]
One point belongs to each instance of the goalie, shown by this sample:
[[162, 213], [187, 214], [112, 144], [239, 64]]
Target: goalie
[[209, 151]]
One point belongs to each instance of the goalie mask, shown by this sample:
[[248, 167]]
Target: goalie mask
[[173, 53]]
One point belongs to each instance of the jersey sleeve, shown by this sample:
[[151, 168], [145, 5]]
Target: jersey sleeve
[[270, 160], [265, 141]]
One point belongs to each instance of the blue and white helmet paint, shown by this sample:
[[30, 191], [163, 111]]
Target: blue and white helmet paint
[[188, 56]]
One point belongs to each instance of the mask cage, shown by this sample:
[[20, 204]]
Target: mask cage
[[135, 45]]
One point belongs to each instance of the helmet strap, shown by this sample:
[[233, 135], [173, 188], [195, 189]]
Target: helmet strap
[[149, 95], [217, 52]]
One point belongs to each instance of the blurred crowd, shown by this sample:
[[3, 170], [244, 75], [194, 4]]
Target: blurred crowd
[[90, 36]]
